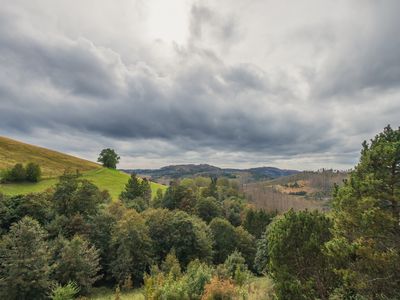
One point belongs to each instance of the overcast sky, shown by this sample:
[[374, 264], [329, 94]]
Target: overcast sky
[[291, 84]]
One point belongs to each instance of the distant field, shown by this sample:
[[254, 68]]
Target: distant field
[[106, 179], [305, 190], [52, 163]]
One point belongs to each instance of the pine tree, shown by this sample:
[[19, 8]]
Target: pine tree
[[366, 221], [24, 262], [78, 261]]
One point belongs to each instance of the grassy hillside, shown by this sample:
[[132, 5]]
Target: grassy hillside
[[52, 163], [106, 179]]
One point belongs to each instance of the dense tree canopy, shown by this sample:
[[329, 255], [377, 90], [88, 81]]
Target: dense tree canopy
[[201, 238], [77, 196], [186, 234]]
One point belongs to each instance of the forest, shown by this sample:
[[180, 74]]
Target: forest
[[202, 239]]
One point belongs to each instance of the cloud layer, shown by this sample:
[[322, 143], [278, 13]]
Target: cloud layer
[[243, 84]]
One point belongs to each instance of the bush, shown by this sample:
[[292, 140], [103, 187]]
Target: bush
[[159, 286], [173, 285], [33, 172], [18, 173], [220, 289], [236, 268], [197, 276], [66, 292]]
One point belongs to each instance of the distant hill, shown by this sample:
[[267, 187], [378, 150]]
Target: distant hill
[[191, 170], [52, 163]]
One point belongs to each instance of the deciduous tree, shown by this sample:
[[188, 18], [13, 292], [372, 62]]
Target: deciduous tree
[[109, 158]]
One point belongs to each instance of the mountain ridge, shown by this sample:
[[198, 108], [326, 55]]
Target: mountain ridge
[[187, 170]]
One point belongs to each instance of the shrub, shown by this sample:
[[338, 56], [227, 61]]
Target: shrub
[[171, 265], [167, 285], [197, 276], [236, 268], [33, 172], [220, 289], [66, 292], [18, 173], [160, 286]]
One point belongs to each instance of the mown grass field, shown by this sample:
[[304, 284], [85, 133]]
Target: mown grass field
[[52, 163], [106, 179]]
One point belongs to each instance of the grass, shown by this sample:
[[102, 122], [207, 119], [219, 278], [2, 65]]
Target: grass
[[108, 294], [106, 179], [259, 288], [52, 163]]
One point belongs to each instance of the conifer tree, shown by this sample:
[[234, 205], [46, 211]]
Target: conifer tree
[[24, 262], [366, 218]]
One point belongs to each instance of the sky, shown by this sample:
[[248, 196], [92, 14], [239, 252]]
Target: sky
[[290, 84]]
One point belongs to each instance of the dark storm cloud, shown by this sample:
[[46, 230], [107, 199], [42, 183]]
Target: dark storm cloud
[[206, 103], [201, 101]]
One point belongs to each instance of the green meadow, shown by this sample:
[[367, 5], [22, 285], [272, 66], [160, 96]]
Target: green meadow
[[106, 179]]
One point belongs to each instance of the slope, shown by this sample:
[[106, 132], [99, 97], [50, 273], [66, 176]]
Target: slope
[[106, 179], [52, 163]]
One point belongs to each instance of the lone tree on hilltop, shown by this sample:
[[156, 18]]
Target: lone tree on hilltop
[[109, 158]]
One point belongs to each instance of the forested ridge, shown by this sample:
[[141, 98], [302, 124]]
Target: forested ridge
[[202, 239]]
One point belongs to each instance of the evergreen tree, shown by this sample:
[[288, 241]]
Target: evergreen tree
[[133, 189], [245, 244], [137, 193], [24, 262], [366, 218], [77, 261], [255, 221], [261, 258], [296, 259]]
